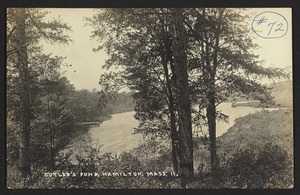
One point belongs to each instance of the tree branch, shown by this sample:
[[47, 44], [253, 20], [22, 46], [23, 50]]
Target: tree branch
[[199, 36], [222, 100], [9, 53], [203, 18], [161, 81], [10, 33], [37, 26]]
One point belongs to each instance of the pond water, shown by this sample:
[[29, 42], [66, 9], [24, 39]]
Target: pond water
[[234, 113], [116, 134]]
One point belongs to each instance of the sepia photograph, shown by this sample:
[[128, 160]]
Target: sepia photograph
[[149, 98]]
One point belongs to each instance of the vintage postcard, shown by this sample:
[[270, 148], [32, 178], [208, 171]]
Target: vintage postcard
[[149, 98]]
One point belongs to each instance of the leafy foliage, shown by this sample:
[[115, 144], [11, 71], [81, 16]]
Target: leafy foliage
[[264, 170]]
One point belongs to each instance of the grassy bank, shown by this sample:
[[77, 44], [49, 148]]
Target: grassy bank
[[255, 130], [257, 152]]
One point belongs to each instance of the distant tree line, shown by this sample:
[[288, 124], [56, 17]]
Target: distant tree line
[[122, 102]]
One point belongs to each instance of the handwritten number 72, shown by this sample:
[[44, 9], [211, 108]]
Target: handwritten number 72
[[277, 29], [269, 25]]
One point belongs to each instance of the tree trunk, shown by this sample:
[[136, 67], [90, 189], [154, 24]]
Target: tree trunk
[[186, 167], [174, 137], [51, 135], [24, 152], [211, 117], [165, 57], [52, 165], [211, 109]]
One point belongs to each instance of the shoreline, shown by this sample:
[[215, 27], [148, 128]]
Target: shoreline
[[109, 115]]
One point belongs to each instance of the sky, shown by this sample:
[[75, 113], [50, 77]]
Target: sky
[[278, 51], [87, 65]]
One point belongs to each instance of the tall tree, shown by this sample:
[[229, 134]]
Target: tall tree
[[57, 95], [52, 122], [25, 28], [140, 40], [24, 157], [224, 64], [183, 96]]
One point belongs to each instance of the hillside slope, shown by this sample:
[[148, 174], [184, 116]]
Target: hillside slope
[[283, 93], [255, 130]]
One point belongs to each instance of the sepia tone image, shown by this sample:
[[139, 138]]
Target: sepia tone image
[[149, 98]]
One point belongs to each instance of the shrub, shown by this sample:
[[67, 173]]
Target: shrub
[[263, 170], [241, 167], [271, 161]]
